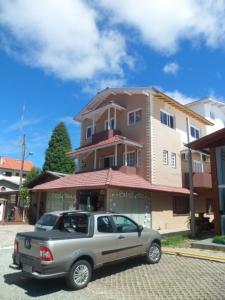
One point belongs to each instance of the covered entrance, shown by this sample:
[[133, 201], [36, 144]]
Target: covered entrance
[[91, 200]]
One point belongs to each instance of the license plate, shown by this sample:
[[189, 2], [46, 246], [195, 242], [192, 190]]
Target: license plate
[[27, 268]]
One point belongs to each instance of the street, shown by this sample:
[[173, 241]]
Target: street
[[173, 278]]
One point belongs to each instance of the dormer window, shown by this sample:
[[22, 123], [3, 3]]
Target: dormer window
[[112, 124], [134, 116], [88, 132]]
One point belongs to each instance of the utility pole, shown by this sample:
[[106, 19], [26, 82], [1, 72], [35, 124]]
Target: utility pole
[[191, 188], [22, 165]]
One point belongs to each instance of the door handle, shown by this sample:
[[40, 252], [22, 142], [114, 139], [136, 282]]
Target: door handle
[[121, 237]]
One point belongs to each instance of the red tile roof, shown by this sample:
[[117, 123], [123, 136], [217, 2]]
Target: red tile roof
[[106, 178], [15, 164], [113, 140]]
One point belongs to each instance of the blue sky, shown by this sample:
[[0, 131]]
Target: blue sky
[[55, 55]]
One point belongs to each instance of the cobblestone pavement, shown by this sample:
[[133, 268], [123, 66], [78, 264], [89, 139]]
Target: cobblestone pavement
[[8, 232], [173, 278]]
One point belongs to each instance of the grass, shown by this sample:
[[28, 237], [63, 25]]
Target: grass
[[219, 239], [176, 241]]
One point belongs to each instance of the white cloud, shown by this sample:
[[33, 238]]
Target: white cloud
[[61, 37], [18, 125], [180, 97], [163, 24], [171, 68], [68, 120], [87, 40]]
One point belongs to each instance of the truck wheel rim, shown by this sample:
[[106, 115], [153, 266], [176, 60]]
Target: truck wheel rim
[[154, 253], [81, 274]]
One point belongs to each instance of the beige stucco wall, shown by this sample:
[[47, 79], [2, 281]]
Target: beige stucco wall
[[154, 136], [162, 213], [172, 140]]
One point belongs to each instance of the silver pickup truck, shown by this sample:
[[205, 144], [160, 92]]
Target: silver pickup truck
[[83, 242]]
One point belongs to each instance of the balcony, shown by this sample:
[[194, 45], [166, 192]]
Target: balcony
[[104, 135], [200, 180]]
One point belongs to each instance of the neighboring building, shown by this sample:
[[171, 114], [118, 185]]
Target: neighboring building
[[211, 109], [9, 183], [131, 158], [10, 172]]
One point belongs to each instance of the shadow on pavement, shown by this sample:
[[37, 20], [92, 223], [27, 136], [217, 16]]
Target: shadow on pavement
[[116, 268], [36, 288]]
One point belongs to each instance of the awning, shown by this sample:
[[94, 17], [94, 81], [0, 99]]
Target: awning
[[115, 140], [106, 178]]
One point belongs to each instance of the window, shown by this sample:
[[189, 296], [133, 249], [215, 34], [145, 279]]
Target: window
[[17, 174], [112, 124], [124, 224], [181, 205], [109, 161], [165, 157], [173, 160], [184, 156], [197, 166], [131, 159], [139, 159], [212, 115], [134, 116], [104, 225], [206, 158], [88, 132], [167, 119], [195, 132], [9, 174], [74, 223]]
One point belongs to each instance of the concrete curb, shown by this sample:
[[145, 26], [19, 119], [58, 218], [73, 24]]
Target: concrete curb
[[194, 255]]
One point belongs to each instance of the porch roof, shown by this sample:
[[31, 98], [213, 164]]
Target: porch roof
[[115, 140], [102, 179], [214, 139]]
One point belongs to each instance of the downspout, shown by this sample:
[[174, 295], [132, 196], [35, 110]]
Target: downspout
[[191, 188]]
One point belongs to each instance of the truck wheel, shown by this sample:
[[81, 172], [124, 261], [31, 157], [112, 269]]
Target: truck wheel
[[79, 275], [154, 253]]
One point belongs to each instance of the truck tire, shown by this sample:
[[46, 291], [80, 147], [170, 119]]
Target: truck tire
[[79, 275], [153, 254]]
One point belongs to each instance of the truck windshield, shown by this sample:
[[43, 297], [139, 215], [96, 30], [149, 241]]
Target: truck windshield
[[47, 220]]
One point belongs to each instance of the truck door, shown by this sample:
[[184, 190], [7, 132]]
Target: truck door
[[129, 240], [105, 240]]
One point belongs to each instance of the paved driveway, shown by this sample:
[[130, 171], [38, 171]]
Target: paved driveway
[[173, 278]]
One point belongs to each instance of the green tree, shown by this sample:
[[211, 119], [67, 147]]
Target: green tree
[[24, 200], [59, 144], [34, 172]]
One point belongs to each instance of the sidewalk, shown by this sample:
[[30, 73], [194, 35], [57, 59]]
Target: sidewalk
[[8, 233], [200, 253]]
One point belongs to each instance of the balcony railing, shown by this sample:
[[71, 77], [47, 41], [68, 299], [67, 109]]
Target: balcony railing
[[200, 180]]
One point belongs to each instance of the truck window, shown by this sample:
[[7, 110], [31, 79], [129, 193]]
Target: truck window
[[104, 225], [74, 223], [124, 224]]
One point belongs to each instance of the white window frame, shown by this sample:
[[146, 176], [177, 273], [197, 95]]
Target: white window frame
[[106, 121], [165, 157], [135, 158], [139, 158], [196, 128], [185, 154], [169, 115], [88, 127], [174, 160], [199, 169], [133, 111]]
